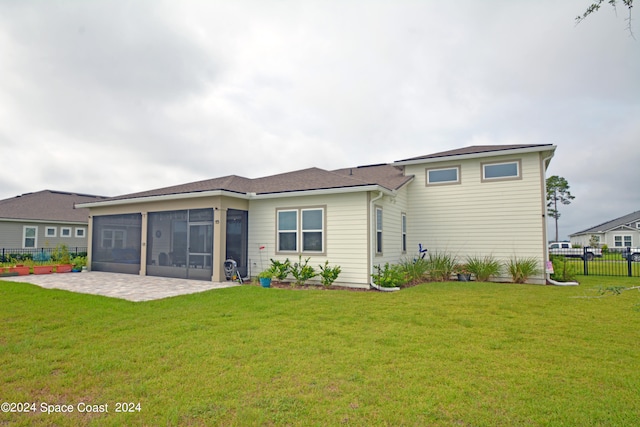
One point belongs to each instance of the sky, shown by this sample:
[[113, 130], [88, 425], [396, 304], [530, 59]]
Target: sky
[[115, 97]]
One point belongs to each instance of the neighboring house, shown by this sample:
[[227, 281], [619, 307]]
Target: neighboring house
[[623, 232], [44, 219], [481, 200]]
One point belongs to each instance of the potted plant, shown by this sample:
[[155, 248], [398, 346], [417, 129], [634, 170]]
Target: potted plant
[[463, 273], [79, 263], [265, 278]]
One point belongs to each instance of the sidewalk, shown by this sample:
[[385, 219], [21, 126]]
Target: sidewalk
[[125, 286]]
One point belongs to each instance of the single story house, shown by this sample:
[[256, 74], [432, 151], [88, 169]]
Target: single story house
[[44, 219], [479, 200], [623, 232]]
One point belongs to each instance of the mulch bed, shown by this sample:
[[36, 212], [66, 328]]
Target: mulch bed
[[287, 285]]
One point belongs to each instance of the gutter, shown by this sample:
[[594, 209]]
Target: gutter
[[373, 248]]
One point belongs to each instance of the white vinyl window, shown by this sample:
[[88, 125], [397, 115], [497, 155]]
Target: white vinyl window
[[29, 237], [80, 233], [312, 230], [404, 232], [378, 230], [113, 239], [65, 232], [300, 230], [443, 176], [622, 241], [503, 170], [287, 231], [50, 231]]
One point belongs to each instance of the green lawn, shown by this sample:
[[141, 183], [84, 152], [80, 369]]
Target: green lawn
[[472, 354]]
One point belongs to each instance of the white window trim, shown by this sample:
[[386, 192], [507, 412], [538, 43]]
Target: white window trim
[[83, 230], [112, 239], [403, 232], [518, 175], [47, 229], [456, 181], [622, 236], [379, 230], [24, 236], [312, 230], [299, 231], [63, 229]]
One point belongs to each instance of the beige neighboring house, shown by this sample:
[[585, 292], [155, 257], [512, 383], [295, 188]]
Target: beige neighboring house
[[43, 219], [619, 233], [480, 200]]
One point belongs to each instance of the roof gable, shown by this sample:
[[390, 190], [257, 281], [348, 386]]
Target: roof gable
[[47, 205], [620, 223]]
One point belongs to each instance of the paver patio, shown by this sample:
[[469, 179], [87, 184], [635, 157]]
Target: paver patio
[[125, 286]]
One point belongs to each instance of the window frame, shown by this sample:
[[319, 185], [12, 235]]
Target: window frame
[[623, 239], [113, 239], [83, 232], [517, 176], [24, 236], [428, 181], [49, 228], [379, 225], [299, 231], [403, 232], [65, 229]]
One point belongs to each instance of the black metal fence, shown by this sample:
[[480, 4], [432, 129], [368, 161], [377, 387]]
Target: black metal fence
[[597, 262], [37, 254]]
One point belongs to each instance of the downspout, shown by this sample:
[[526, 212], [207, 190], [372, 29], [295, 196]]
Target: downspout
[[550, 281], [372, 239]]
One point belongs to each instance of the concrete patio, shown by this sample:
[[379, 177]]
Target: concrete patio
[[124, 286]]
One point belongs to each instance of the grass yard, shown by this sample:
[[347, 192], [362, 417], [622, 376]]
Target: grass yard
[[474, 354]]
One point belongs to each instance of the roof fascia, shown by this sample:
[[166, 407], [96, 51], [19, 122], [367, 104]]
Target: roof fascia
[[163, 198], [42, 221], [505, 152], [321, 192]]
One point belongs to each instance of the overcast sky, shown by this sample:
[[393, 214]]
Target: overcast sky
[[113, 97]]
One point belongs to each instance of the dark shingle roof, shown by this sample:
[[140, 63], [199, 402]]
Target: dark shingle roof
[[47, 205], [387, 176], [475, 149], [610, 225]]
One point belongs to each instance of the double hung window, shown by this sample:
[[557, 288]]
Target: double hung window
[[300, 230]]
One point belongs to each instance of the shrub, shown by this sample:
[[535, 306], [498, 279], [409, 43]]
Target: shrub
[[61, 254], [415, 270], [521, 269], [79, 262], [302, 271], [389, 276], [280, 269], [483, 268], [563, 271], [441, 266], [328, 275]]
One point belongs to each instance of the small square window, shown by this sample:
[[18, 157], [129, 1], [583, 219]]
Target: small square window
[[50, 231], [80, 233], [65, 232]]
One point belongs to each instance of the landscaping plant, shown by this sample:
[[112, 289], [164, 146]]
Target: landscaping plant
[[414, 270], [389, 276], [563, 271], [521, 269], [328, 275], [441, 266], [280, 269], [302, 271], [483, 268]]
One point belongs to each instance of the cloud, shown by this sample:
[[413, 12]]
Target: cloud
[[134, 96]]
